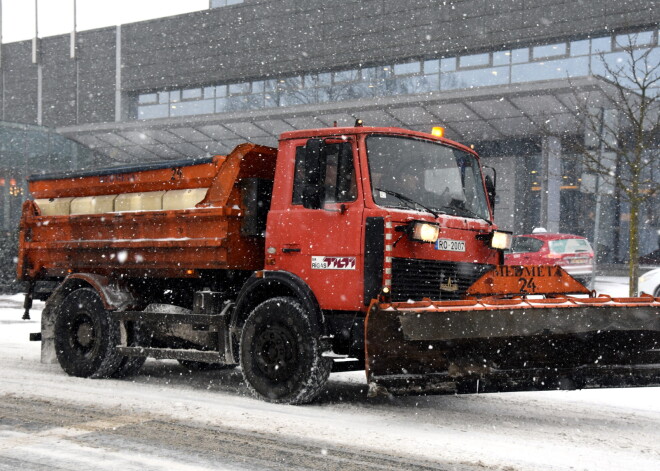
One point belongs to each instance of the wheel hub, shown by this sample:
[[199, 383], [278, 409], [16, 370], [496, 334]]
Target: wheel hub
[[276, 351], [83, 334]]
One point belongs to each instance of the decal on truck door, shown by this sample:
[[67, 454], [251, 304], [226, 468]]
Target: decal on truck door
[[333, 263]]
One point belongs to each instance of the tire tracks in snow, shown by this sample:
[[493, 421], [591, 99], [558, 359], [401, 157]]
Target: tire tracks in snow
[[46, 434]]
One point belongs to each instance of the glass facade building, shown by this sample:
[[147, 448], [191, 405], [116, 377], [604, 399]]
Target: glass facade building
[[555, 61], [27, 150]]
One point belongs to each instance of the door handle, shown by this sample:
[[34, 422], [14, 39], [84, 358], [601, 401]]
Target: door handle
[[290, 250]]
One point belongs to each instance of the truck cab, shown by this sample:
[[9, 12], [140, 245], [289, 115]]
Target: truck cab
[[356, 210]]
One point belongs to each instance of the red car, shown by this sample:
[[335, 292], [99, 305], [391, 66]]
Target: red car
[[573, 253]]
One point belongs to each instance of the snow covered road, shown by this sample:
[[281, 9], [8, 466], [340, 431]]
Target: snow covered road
[[170, 418]]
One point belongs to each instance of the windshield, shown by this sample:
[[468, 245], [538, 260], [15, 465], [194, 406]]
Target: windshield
[[408, 172]]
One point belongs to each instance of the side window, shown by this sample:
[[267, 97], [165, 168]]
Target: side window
[[299, 175], [526, 245], [339, 181]]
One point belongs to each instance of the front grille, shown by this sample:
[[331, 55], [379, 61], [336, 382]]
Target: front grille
[[414, 279]]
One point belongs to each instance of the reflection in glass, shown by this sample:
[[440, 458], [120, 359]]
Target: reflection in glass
[[239, 88], [438, 177], [519, 56], [346, 76], [474, 78], [552, 50], [153, 111], [448, 64], [148, 98], [186, 108], [580, 48], [191, 93], [474, 60], [557, 69], [502, 58], [599, 45], [432, 66], [634, 39], [258, 87], [408, 68]]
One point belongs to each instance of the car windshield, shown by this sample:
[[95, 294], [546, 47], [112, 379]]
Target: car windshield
[[407, 172], [569, 246]]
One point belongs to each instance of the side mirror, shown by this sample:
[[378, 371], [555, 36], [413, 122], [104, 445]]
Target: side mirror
[[491, 183], [313, 192]]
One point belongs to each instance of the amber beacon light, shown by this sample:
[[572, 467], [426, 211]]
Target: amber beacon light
[[438, 131]]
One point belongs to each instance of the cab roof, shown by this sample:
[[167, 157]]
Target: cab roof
[[355, 130]]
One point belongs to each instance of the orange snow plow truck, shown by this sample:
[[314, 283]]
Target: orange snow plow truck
[[346, 248]]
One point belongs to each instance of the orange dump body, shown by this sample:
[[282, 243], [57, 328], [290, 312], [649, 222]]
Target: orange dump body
[[160, 220]]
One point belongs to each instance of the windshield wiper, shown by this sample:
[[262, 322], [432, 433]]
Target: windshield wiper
[[409, 201], [467, 212]]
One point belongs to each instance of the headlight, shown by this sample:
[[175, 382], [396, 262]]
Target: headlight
[[423, 231], [501, 240]]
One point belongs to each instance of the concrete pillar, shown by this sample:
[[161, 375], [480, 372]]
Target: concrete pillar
[[118, 100], [551, 183]]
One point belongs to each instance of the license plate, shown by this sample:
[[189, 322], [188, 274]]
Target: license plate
[[578, 261], [450, 245]]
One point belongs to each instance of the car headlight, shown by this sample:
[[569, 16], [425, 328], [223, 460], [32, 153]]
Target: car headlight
[[423, 231], [501, 240]]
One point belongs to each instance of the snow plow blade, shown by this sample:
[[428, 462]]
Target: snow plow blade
[[512, 343]]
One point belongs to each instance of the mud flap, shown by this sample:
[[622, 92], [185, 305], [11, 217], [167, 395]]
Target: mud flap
[[504, 344]]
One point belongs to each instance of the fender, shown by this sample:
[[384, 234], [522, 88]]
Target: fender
[[266, 284], [114, 298]]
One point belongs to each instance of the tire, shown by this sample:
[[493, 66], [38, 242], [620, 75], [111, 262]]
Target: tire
[[279, 354], [137, 335], [192, 365], [85, 336]]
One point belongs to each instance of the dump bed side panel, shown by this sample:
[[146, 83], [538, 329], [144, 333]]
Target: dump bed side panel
[[165, 222]]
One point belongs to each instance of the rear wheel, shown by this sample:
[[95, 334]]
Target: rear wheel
[[86, 337], [279, 354]]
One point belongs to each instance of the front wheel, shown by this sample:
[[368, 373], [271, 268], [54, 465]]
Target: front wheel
[[279, 354], [85, 336]]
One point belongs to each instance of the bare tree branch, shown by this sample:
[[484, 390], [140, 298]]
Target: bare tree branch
[[622, 121]]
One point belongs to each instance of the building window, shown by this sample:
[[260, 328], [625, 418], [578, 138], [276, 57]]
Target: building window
[[224, 3], [552, 50], [475, 60]]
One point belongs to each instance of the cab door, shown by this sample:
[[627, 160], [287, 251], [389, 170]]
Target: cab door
[[322, 242]]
